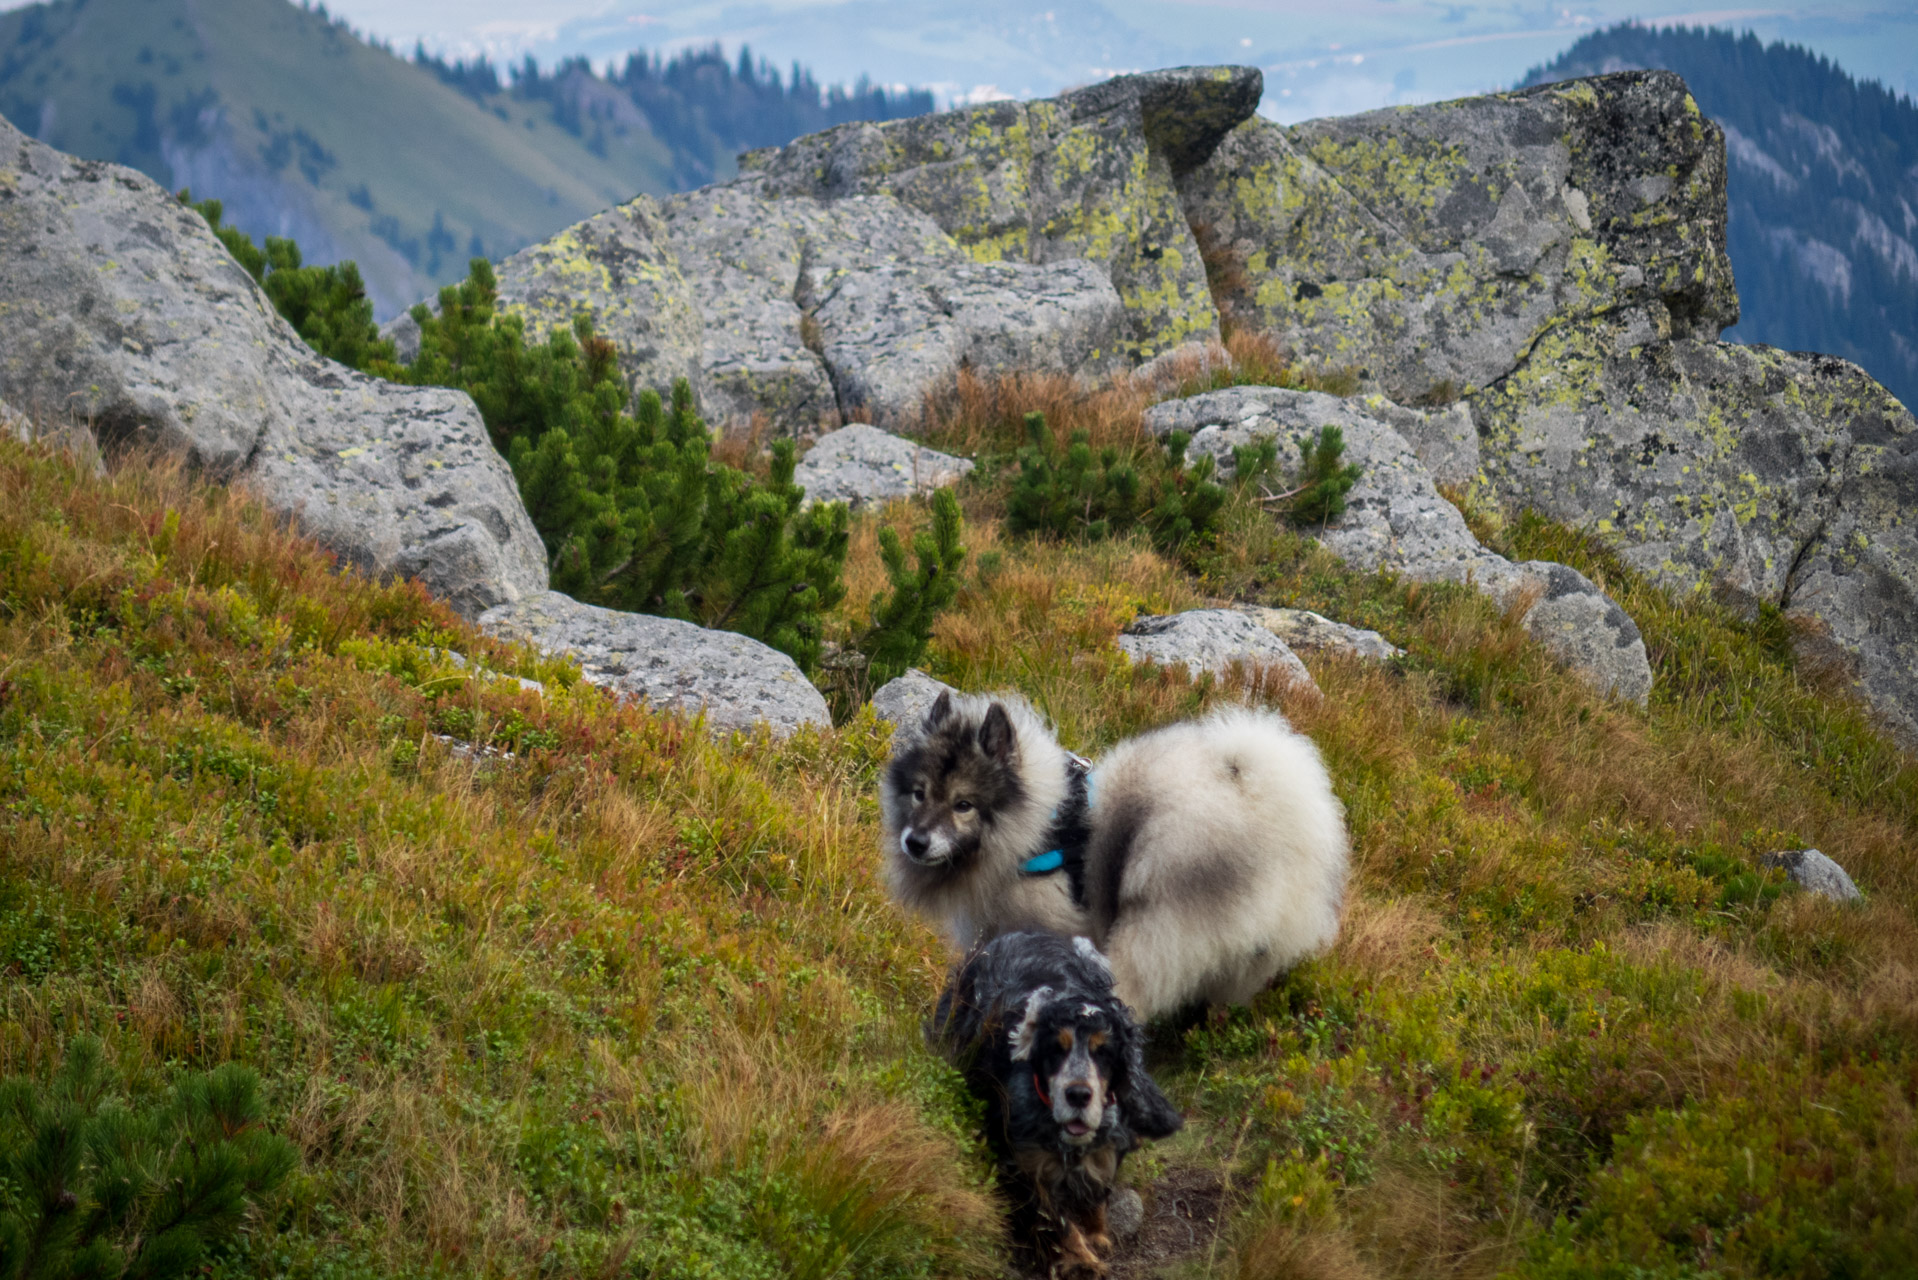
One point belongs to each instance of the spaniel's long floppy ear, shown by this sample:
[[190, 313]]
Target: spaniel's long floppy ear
[[1148, 1113], [1026, 1034]]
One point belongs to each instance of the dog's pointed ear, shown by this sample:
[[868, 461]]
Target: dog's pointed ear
[[1148, 1112], [995, 735], [940, 709]]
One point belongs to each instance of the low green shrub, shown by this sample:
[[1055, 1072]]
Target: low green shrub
[[1324, 479], [1073, 492], [634, 512], [91, 1187], [328, 306], [901, 626]]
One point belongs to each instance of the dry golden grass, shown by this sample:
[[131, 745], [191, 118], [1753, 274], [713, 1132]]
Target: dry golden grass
[[635, 1002]]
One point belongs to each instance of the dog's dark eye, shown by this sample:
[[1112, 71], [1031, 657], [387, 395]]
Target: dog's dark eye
[[919, 794], [962, 806]]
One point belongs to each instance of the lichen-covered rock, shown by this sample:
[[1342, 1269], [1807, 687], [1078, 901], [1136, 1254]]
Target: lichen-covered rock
[[735, 681], [1089, 175], [1211, 640], [891, 335], [1768, 476], [120, 309], [866, 306], [1396, 519], [1303, 629], [908, 698], [618, 269], [1431, 246], [1816, 873], [861, 465], [742, 257]]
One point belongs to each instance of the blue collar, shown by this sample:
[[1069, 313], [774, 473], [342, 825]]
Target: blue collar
[[1043, 863]]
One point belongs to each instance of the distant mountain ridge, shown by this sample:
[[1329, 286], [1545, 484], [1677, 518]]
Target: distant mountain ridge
[[303, 129], [1822, 189]]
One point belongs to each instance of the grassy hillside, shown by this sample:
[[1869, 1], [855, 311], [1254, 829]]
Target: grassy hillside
[[1822, 192], [630, 1002]]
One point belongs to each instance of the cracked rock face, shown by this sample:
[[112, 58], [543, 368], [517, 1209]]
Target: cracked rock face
[[1430, 246], [866, 306], [1760, 474], [861, 465], [617, 268], [119, 309], [1211, 640], [1395, 519], [1086, 176], [737, 682]]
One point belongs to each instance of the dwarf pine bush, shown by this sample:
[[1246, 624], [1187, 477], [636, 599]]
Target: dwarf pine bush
[[92, 1187], [1324, 478], [902, 621], [634, 511], [1074, 492], [328, 306]]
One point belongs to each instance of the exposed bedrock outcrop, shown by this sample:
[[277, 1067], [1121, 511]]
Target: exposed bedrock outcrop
[[1397, 520], [120, 310], [1090, 175], [1431, 246], [1772, 477]]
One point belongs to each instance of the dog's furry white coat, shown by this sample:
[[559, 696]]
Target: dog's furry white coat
[[1217, 860], [1216, 857]]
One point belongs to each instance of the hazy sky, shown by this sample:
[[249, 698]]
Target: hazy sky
[[1320, 57]]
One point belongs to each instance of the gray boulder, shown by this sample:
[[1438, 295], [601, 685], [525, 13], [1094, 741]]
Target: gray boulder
[[73, 437], [1395, 519], [618, 269], [1088, 175], [1210, 640], [891, 335], [1814, 872], [1431, 246], [861, 465], [742, 257], [908, 698], [735, 681], [1303, 629], [1761, 475], [125, 313], [866, 306]]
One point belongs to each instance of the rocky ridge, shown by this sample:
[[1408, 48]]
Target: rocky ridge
[[1529, 286]]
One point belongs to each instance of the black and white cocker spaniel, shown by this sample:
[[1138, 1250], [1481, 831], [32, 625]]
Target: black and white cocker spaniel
[[1031, 1021]]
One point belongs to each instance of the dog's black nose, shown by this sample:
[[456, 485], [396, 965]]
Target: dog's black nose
[[918, 843], [1077, 1095]]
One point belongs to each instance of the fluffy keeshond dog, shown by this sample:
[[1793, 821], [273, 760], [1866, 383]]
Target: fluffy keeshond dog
[[1204, 858]]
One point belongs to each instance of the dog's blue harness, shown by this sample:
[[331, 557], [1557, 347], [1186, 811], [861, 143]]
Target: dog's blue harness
[[1070, 828]]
